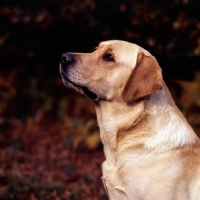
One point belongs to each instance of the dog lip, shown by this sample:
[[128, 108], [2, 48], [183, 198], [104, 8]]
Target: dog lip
[[86, 91], [89, 93], [66, 79]]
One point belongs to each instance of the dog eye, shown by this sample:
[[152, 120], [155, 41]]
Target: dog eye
[[108, 57]]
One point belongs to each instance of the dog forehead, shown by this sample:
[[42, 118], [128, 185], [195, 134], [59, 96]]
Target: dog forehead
[[119, 45], [125, 52], [123, 46]]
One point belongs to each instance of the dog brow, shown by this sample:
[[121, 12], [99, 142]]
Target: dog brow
[[97, 47], [97, 43], [100, 45]]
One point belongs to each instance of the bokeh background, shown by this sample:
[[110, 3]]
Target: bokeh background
[[49, 139]]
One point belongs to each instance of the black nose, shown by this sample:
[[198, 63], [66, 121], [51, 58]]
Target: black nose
[[66, 58]]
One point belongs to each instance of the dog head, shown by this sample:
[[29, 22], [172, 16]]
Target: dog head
[[116, 70]]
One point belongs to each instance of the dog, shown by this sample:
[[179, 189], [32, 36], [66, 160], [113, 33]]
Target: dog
[[151, 151]]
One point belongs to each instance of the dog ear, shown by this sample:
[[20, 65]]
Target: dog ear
[[145, 79]]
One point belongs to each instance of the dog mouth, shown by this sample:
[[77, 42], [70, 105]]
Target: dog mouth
[[85, 90], [89, 93]]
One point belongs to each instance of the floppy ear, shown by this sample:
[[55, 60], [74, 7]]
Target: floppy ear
[[145, 79]]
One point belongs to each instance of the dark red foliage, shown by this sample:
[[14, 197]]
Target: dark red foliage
[[38, 161]]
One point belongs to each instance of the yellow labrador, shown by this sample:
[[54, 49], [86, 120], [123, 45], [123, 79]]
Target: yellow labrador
[[151, 151]]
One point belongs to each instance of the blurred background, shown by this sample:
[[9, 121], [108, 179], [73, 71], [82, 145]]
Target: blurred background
[[49, 139]]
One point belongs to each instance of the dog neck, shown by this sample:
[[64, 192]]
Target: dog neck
[[171, 129], [156, 125], [114, 119]]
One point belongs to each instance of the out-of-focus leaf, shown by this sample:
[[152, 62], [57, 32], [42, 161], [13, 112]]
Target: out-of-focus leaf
[[190, 94], [93, 140], [3, 39], [189, 99], [88, 134]]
